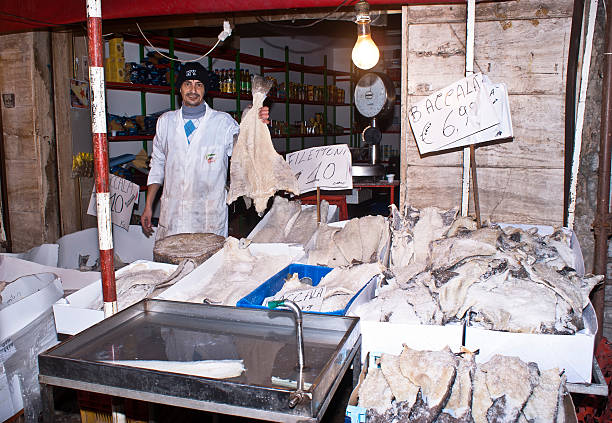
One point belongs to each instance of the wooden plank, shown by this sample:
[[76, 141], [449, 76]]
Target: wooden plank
[[18, 146], [28, 225], [532, 196], [538, 138], [405, 132], [529, 59], [497, 11], [42, 83], [70, 220], [23, 186]]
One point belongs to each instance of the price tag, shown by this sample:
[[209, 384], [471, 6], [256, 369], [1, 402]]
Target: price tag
[[123, 196], [307, 299], [326, 167], [449, 118]]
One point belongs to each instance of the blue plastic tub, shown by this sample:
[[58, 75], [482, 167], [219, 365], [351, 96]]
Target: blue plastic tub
[[276, 282]]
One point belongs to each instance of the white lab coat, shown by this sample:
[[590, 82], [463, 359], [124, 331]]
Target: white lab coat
[[193, 175]]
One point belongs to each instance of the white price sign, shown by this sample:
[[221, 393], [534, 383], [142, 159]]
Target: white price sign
[[451, 116], [326, 167], [123, 196], [307, 299]]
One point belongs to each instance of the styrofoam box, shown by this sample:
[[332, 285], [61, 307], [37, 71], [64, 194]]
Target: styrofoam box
[[273, 285], [75, 313], [191, 284]]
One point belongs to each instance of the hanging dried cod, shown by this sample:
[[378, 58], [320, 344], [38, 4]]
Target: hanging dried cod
[[257, 171]]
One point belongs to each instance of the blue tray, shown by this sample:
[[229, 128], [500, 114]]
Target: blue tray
[[276, 282]]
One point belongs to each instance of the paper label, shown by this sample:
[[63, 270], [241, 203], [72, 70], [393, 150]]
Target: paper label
[[123, 195], [307, 299], [326, 167]]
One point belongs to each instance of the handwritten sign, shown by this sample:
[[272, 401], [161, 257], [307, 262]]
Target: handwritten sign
[[123, 196], [449, 117], [326, 167], [307, 299], [498, 94]]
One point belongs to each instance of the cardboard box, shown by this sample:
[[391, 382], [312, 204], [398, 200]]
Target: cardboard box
[[114, 70], [26, 329], [273, 285], [78, 311]]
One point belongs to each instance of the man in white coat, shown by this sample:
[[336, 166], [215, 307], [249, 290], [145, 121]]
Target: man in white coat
[[191, 151]]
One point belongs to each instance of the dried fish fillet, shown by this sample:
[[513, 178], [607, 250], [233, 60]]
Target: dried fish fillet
[[458, 408], [401, 387], [213, 369], [434, 372], [281, 212], [375, 392], [257, 171], [542, 406]]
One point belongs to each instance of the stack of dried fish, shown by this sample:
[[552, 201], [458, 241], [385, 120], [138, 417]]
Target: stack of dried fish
[[288, 223], [445, 269], [142, 282], [239, 274], [438, 386], [361, 240]]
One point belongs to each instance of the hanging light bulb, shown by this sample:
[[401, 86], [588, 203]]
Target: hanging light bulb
[[365, 53]]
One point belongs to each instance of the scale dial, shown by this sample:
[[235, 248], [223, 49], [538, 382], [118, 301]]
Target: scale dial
[[372, 94]]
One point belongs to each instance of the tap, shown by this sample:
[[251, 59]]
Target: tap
[[296, 397]]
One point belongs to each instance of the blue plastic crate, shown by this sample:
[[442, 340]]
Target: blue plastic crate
[[276, 282]]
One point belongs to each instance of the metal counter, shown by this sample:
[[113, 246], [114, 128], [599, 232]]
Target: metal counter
[[175, 331]]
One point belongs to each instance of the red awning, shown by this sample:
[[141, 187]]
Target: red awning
[[25, 15]]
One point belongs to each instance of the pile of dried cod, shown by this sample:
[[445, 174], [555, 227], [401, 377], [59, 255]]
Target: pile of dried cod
[[444, 269], [439, 386]]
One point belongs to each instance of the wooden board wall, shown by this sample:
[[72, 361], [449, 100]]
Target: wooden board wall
[[29, 141], [523, 44]]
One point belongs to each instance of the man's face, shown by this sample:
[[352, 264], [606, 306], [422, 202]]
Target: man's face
[[192, 92]]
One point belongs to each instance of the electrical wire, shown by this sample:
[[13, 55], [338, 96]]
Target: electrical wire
[[344, 2], [171, 58]]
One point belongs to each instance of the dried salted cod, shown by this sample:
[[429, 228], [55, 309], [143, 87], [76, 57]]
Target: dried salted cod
[[501, 388], [402, 245], [240, 273], [447, 252], [325, 252], [401, 387], [432, 224], [458, 408], [374, 392], [281, 213], [374, 232], [348, 241], [341, 284], [434, 372], [560, 240], [506, 303], [257, 171], [543, 404], [305, 225], [214, 369]]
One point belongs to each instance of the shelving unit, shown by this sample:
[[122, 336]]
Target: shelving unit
[[266, 66]]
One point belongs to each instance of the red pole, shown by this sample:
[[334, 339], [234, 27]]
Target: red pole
[[100, 149]]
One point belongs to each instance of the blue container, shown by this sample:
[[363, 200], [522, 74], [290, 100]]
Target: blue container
[[273, 285]]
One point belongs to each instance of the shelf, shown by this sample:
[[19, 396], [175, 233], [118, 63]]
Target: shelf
[[119, 138], [128, 86], [230, 54], [160, 89], [346, 132]]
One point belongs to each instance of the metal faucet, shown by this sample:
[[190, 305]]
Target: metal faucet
[[296, 397]]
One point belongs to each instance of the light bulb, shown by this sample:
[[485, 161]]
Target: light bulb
[[365, 53]]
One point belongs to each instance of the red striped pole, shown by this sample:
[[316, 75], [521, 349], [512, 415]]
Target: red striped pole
[[100, 150]]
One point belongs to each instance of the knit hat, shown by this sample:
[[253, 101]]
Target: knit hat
[[192, 70]]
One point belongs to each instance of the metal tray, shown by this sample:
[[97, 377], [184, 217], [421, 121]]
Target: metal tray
[[167, 330]]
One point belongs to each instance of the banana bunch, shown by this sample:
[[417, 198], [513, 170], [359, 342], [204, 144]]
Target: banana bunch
[[82, 165]]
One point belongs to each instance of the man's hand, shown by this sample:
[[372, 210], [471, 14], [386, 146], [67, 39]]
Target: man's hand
[[264, 114], [145, 221]]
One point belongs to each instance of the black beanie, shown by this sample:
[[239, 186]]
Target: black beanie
[[192, 70]]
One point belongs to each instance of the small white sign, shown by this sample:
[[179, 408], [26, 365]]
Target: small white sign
[[326, 167], [307, 299], [123, 196], [498, 94], [451, 116]]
